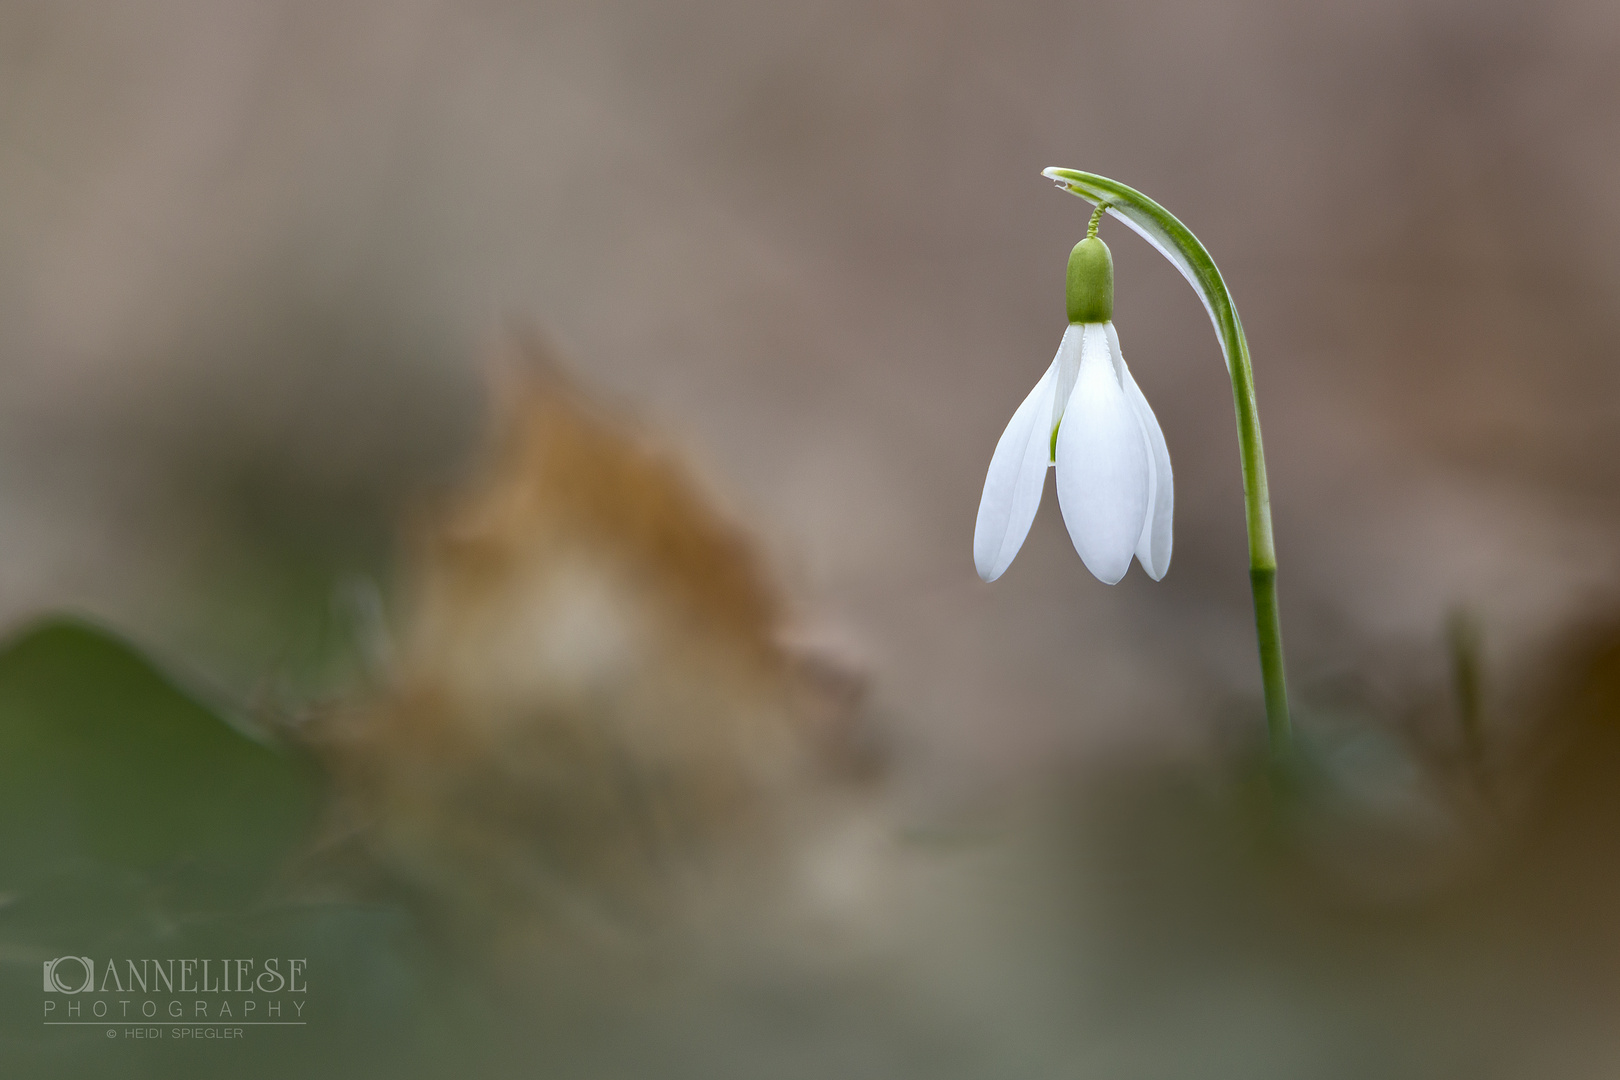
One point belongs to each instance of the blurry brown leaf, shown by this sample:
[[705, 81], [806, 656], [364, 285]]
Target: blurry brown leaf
[[593, 698]]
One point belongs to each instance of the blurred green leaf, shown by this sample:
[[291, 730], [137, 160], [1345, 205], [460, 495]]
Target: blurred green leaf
[[106, 762]]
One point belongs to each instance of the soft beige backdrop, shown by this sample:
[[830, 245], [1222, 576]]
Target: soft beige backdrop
[[252, 256]]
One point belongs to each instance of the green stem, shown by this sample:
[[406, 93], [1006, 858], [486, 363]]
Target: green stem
[[1096, 218], [1176, 242], [1463, 636]]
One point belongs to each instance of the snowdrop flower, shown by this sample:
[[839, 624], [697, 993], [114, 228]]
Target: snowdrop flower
[[1101, 471], [1087, 418]]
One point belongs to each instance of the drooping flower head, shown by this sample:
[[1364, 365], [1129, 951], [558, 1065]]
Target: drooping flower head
[[1088, 419]]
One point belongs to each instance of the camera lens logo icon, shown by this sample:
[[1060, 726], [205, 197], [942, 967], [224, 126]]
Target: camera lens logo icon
[[69, 975]]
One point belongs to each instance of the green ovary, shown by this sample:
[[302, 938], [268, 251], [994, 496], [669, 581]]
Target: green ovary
[[1090, 292]]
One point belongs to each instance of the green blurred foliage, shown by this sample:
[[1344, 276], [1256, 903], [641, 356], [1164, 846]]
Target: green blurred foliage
[[137, 822], [104, 760]]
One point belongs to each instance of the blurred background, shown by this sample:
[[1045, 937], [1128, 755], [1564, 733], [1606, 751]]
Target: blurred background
[[255, 260]]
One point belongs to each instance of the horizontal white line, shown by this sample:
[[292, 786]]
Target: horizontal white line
[[172, 1022]]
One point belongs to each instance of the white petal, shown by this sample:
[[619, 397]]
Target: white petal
[[1068, 370], [1102, 464], [1012, 490], [1153, 549]]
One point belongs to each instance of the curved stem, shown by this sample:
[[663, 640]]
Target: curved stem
[[1176, 242]]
